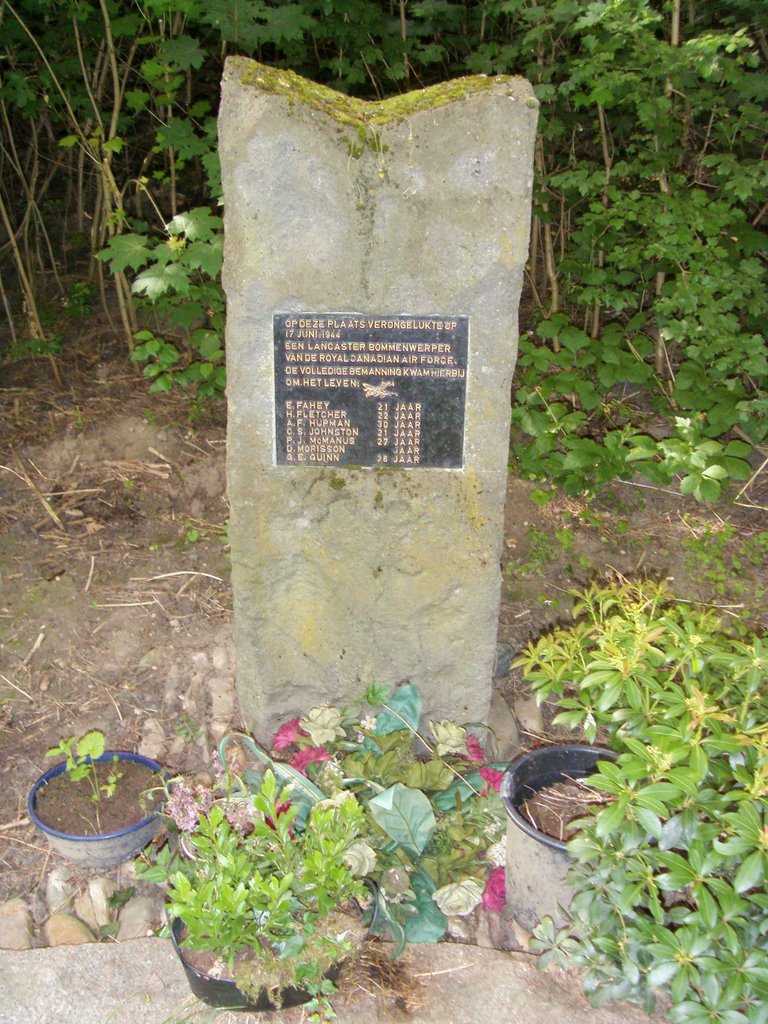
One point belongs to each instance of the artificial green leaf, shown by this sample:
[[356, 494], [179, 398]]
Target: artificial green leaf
[[406, 816], [292, 947], [430, 775], [460, 788], [402, 711], [428, 923], [381, 920]]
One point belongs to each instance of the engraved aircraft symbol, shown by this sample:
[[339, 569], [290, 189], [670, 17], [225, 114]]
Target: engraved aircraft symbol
[[380, 390]]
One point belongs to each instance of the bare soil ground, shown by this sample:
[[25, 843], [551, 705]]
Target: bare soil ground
[[115, 605]]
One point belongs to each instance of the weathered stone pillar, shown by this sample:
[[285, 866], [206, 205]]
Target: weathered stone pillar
[[374, 255]]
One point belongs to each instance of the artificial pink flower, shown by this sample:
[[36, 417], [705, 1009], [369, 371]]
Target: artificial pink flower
[[495, 893], [287, 734], [492, 776], [474, 750], [309, 755]]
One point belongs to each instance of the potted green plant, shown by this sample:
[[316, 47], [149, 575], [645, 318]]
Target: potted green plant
[[97, 807], [670, 876], [261, 908]]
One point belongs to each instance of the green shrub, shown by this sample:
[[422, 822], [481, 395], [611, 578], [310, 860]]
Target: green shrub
[[670, 877]]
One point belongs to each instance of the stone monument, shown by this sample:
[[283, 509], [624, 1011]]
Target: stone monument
[[374, 255]]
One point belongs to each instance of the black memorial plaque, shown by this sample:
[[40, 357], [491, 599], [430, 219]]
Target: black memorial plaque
[[353, 389]]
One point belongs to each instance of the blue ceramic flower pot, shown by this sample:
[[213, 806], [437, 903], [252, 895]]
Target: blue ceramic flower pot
[[106, 849]]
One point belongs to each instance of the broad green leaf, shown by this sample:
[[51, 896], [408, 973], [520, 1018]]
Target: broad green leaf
[[737, 469], [429, 923], [707, 489], [611, 818], [186, 314], [292, 947], [162, 384], [680, 872], [406, 702], [207, 343], [179, 135], [663, 972], [708, 908], [699, 763], [183, 51], [406, 816], [205, 256], [671, 833], [737, 449], [124, 251], [446, 800], [198, 223], [688, 484], [649, 821], [91, 744], [751, 873], [156, 281], [137, 99], [432, 775]]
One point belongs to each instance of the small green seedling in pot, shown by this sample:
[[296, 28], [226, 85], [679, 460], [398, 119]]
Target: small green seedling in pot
[[81, 757]]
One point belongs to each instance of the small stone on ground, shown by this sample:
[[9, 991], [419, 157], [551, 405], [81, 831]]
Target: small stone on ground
[[63, 929], [504, 726], [528, 714], [59, 889], [15, 924], [138, 918]]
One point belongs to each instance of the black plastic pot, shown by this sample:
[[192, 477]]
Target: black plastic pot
[[224, 993], [537, 863], [106, 849]]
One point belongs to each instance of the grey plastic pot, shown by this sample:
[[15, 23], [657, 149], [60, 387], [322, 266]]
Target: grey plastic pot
[[536, 863], [108, 848]]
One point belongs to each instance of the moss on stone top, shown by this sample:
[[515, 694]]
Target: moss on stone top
[[351, 111]]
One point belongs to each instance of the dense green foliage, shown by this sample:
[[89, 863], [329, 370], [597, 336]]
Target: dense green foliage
[[647, 294], [679, 854]]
